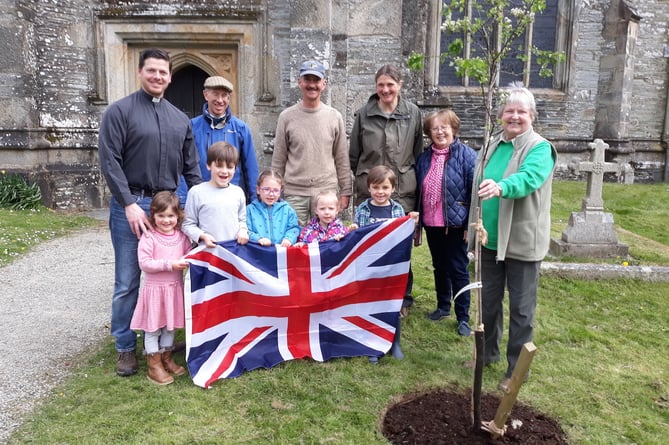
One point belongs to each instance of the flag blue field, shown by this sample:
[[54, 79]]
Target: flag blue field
[[250, 307]]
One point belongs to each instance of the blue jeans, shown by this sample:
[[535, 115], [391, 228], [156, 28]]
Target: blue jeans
[[451, 273], [521, 278], [126, 274]]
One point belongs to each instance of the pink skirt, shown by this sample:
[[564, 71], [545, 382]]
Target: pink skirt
[[160, 305]]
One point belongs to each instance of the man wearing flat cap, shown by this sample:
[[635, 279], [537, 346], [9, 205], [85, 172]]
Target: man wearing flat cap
[[216, 123], [310, 148]]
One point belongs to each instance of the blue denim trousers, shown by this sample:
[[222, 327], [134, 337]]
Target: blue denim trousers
[[126, 274]]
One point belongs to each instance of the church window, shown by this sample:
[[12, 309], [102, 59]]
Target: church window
[[551, 31]]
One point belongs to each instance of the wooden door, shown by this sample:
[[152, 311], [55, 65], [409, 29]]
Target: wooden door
[[185, 90]]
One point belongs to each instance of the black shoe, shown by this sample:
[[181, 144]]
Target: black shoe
[[463, 329], [179, 346], [126, 364], [439, 314]]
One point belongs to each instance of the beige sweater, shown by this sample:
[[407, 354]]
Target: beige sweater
[[311, 152]]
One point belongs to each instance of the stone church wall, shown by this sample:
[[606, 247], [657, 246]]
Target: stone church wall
[[53, 87], [575, 116], [48, 124]]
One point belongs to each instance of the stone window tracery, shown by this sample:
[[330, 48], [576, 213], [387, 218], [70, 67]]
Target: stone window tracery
[[551, 31]]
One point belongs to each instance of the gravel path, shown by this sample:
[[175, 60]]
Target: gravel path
[[54, 307]]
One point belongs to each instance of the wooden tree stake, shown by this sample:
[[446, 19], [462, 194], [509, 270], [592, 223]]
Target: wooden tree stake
[[497, 427]]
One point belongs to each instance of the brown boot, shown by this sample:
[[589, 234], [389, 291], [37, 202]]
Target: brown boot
[[156, 373], [170, 366], [126, 364]]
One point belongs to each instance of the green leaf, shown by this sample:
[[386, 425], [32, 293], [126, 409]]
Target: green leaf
[[455, 47], [416, 61]]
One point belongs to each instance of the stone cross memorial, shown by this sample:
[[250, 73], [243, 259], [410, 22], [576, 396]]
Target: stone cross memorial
[[595, 170], [590, 232]]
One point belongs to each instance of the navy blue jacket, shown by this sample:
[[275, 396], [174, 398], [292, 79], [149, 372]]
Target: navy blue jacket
[[457, 182]]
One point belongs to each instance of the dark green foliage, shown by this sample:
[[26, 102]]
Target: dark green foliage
[[17, 194]]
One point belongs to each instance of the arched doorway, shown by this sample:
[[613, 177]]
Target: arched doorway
[[185, 90]]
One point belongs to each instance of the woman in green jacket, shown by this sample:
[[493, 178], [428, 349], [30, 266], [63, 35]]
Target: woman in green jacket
[[388, 131]]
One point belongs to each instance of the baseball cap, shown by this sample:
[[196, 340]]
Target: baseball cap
[[312, 67], [218, 82]]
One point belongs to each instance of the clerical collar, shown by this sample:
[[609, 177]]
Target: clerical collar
[[155, 100]]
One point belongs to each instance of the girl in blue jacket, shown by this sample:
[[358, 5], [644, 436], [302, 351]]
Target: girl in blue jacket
[[270, 219]]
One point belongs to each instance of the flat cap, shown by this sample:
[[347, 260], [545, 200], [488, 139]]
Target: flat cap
[[312, 67], [218, 82]]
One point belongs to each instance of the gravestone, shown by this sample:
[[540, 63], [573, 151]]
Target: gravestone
[[590, 232]]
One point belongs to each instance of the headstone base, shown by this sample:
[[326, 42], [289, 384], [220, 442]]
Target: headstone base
[[561, 248], [590, 227]]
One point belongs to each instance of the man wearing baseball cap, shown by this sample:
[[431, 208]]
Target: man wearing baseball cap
[[310, 148], [216, 123]]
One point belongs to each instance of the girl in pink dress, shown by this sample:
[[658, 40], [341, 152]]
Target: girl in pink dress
[[160, 306]]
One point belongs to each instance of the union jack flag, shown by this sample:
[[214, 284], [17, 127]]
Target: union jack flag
[[250, 307]]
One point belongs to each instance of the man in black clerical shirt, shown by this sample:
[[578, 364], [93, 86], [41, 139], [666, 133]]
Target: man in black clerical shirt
[[145, 145]]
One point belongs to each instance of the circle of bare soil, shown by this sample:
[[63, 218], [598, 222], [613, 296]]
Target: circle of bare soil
[[443, 417]]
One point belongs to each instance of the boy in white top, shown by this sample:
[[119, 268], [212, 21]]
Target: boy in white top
[[216, 209]]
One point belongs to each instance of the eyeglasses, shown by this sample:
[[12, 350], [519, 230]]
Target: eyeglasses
[[270, 190], [440, 129]]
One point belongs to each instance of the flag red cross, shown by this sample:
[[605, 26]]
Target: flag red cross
[[301, 300], [298, 305]]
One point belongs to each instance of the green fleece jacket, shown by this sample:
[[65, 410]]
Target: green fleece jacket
[[524, 168]]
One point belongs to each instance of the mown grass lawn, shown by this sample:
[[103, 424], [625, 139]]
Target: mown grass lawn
[[601, 367]]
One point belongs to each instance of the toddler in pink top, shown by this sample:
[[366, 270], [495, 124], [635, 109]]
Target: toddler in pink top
[[160, 306], [326, 225]]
